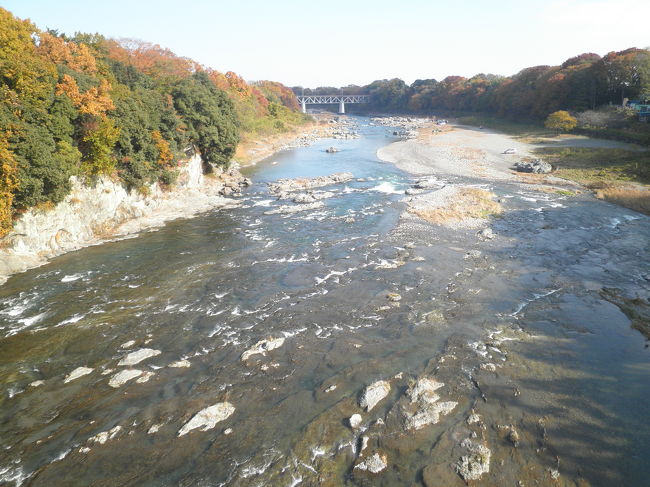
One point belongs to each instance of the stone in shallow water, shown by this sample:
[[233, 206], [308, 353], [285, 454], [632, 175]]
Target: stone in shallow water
[[180, 364], [123, 377], [424, 389], [373, 394], [128, 344], [429, 414], [208, 418], [477, 463], [261, 347], [76, 373], [394, 297], [104, 436], [145, 377], [355, 421], [138, 356], [373, 464], [37, 383]]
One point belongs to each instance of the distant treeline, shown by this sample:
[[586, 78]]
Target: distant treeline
[[581, 83], [87, 106]]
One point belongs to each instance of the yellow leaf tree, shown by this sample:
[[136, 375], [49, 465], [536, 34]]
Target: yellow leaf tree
[[561, 121]]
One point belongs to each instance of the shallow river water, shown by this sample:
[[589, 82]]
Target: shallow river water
[[515, 327]]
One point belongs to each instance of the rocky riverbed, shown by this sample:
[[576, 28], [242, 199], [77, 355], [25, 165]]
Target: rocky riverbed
[[323, 332]]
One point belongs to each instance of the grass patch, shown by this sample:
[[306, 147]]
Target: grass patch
[[629, 197], [465, 204], [589, 165], [616, 175]]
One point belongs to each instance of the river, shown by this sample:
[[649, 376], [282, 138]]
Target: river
[[571, 373]]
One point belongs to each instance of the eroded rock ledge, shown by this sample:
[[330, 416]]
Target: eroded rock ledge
[[106, 210]]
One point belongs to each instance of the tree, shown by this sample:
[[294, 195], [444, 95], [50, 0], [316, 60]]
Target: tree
[[209, 117], [561, 121]]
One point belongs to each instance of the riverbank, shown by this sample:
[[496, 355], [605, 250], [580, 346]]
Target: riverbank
[[106, 211], [325, 125], [612, 170]]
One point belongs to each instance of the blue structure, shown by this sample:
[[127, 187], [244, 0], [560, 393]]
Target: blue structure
[[642, 109]]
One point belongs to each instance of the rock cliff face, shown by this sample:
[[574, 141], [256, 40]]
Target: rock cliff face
[[105, 210]]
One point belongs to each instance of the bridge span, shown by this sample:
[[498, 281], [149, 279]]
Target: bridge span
[[328, 99]]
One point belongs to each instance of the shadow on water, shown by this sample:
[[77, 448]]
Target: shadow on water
[[583, 371]]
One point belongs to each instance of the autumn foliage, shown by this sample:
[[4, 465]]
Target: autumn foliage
[[561, 121], [87, 106]]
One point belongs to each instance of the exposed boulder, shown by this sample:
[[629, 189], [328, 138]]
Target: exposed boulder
[[355, 421], [208, 418], [536, 166], [284, 185], [424, 390], [374, 393], [373, 464]]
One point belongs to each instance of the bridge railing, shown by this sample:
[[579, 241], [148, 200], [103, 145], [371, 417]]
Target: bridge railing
[[327, 99]]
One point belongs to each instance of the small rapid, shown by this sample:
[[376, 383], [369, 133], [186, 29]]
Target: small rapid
[[234, 348]]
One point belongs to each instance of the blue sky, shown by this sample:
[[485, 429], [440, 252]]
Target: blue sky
[[335, 42]]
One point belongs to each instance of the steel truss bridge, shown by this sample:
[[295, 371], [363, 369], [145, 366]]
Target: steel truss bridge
[[331, 99]]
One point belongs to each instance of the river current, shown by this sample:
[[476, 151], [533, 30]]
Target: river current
[[201, 291]]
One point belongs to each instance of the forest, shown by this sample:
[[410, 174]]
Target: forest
[[591, 87], [88, 106]]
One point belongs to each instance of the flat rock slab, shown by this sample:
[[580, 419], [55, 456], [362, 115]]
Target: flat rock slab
[[123, 377], [76, 373], [138, 356], [208, 418]]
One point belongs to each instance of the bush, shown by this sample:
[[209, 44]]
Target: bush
[[561, 121]]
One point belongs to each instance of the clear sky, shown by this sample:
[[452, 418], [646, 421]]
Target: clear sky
[[341, 42]]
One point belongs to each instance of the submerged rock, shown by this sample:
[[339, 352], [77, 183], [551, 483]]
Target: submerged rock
[[394, 297], [138, 356], [486, 234], [180, 364], [288, 210], [373, 394], [373, 464], [513, 436], [144, 377], [261, 347], [104, 436], [123, 377], [208, 418], [476, 464], [76, 373]]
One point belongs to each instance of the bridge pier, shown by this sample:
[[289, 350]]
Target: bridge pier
[[341, 107], [304, 106]]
